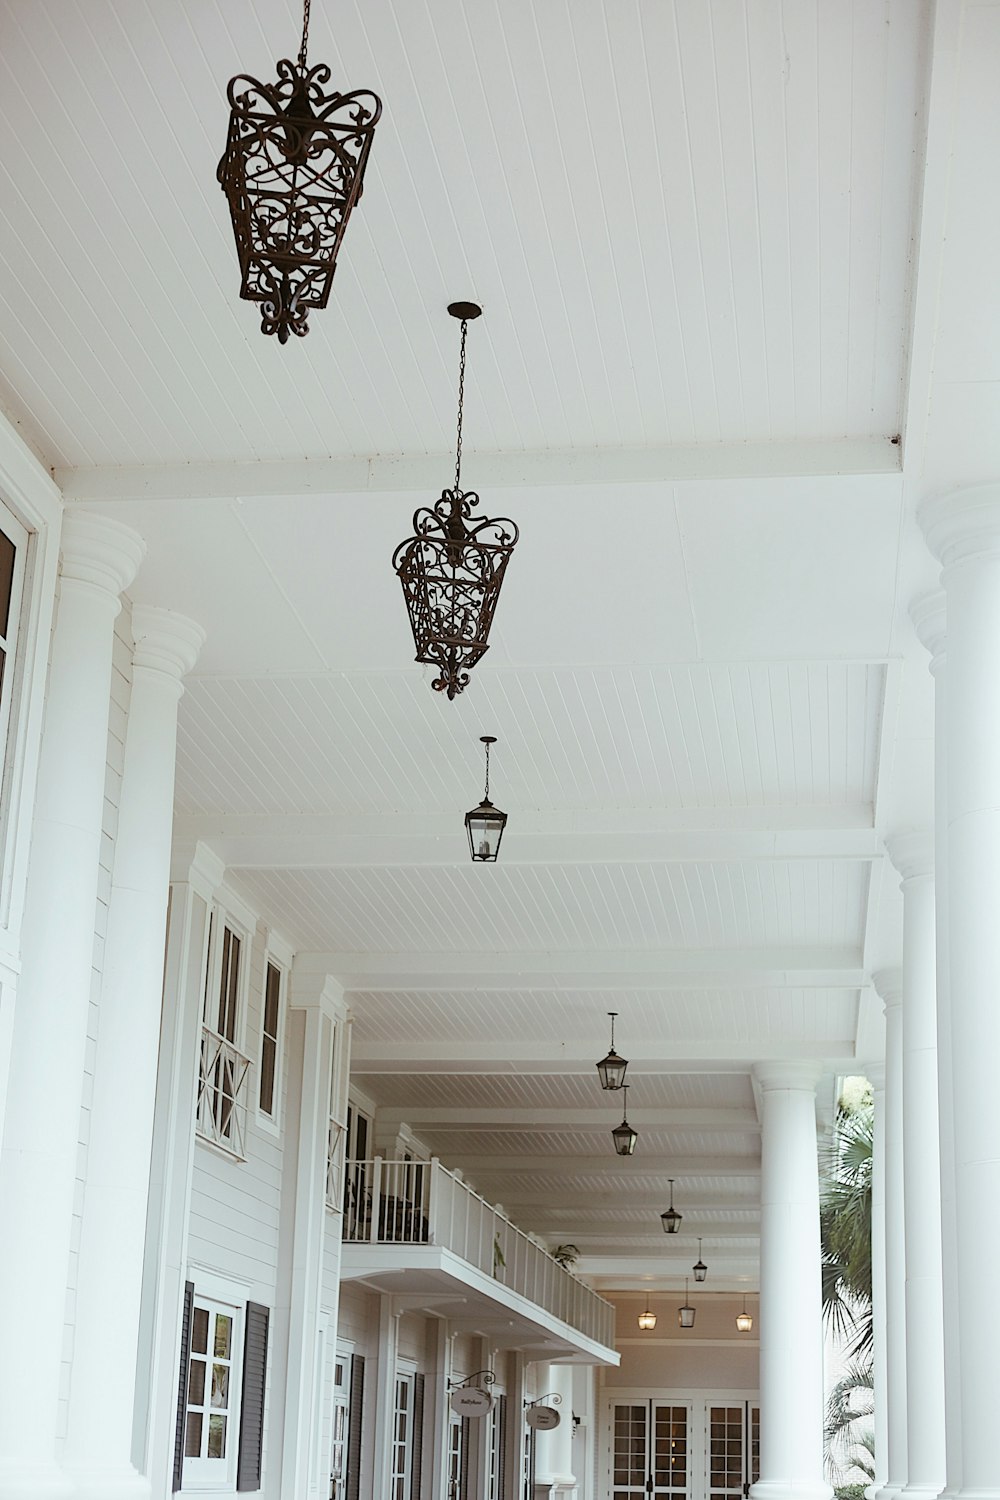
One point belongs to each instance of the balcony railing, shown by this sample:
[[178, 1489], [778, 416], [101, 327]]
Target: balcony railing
[[422, 1203], [223, 1094]]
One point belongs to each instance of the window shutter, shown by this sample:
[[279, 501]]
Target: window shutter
[[463, 1478], [418, 1437], [501, 1460], [354, 1427], [182, 1386], [252, 1401]]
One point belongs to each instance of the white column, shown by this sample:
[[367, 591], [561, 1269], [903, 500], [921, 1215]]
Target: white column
[[196, 876], [554, 1451], [963, 529], [42, 1125], [98, 1450], [889, 984], [316, 1005], [928, 616], [791, 1335], [385, 1394], [913, 856], [876, 1076]]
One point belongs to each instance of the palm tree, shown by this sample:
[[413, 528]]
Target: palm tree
[[845, 1240]]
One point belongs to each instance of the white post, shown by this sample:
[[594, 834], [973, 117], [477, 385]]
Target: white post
[[876, 1076], [913, 856], [42, 1124], [98, 1449], [385, 1394], [928, 616], [315, 1005], [889, 984], [791, 1336], [963, 529]]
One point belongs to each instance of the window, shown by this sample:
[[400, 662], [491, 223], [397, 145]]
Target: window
[[269, 1094], [402, 1439], [220, 1400], [341, 1424], [223, 1083], [13, 552]]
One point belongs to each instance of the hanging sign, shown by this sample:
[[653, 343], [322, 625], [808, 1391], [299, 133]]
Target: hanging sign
[[544, 1418], [471, 1401]]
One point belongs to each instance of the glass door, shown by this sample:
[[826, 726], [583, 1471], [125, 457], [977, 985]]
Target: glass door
[[732, 1449], [649, 1450]]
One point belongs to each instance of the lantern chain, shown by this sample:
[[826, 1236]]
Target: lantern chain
[[305, 33], [461, 407], [487, 793]]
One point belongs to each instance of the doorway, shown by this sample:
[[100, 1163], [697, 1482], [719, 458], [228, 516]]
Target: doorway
[[683, 1446]]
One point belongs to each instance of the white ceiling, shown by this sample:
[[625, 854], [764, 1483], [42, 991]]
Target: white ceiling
[[726, 255]]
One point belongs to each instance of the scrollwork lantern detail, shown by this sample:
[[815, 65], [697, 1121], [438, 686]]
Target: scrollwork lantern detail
[[293, 170], [451, 571]]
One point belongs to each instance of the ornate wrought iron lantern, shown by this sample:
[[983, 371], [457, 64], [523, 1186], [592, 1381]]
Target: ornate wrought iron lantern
[[451, 571], [485, 824], [623, 1135], [685, 1314], [611, 1069], [292, 170], [670, 1218], [699, 1268]]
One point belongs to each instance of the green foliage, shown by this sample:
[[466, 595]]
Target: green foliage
[[849, 1492]]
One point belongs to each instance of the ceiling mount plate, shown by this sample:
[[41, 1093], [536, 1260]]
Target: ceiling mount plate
[[465, 310]]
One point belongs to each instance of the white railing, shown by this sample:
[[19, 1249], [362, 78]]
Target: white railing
[[422, 1203], [223, 1094]]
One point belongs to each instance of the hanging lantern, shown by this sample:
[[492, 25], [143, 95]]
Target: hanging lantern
[[685, 1314], [611, 1069], [293, 169], [452, 572], [485, 824], [699, 1268], [744, 1322], [623, 1135], [647, 1319], [670, 1218]]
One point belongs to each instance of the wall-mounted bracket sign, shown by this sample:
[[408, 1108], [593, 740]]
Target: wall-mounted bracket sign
[[470, 1400], [543, 1418]]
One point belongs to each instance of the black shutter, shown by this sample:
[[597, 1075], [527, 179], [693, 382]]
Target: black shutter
[[501, 1451], [463, 1477], [252, 1398], [182, 1386], [417, 1461], [354, 1427]]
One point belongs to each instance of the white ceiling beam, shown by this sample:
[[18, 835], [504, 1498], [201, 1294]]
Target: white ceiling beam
[[598, 836], [387, 473], [708, 1055], [659, 1166], [500, 1118], [588, 969]]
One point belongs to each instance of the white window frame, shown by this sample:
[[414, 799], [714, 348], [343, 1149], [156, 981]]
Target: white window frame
[[227, 913], [406, 1373], [340, 1414], [211, 1476], [277, 957]]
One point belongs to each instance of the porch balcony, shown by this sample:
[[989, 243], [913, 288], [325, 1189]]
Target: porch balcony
[[414, 1229]]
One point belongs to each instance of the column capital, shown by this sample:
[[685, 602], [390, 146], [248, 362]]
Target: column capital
[[963, 524], [199, 867], [164, 641], [310, 990], [912, 854], [929, 616], [889, 986], [875, 1073], [773, 1076], [100, 551]]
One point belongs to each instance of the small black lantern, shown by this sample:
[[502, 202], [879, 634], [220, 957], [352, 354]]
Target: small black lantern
[[699, 1268], [611, 1069], [293, 170], [685, 1314], [485, 824], [670, 1218], [623, 1135], [453, 566]]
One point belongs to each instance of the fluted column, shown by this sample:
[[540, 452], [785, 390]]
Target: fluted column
[[42, 1124], [963, 529], [913, 856], [928, 616], [791, 1336], [102, 1385], [876, 1076], [889, 984]]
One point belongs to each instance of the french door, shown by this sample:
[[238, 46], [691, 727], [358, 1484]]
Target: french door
[[672, 1448]]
